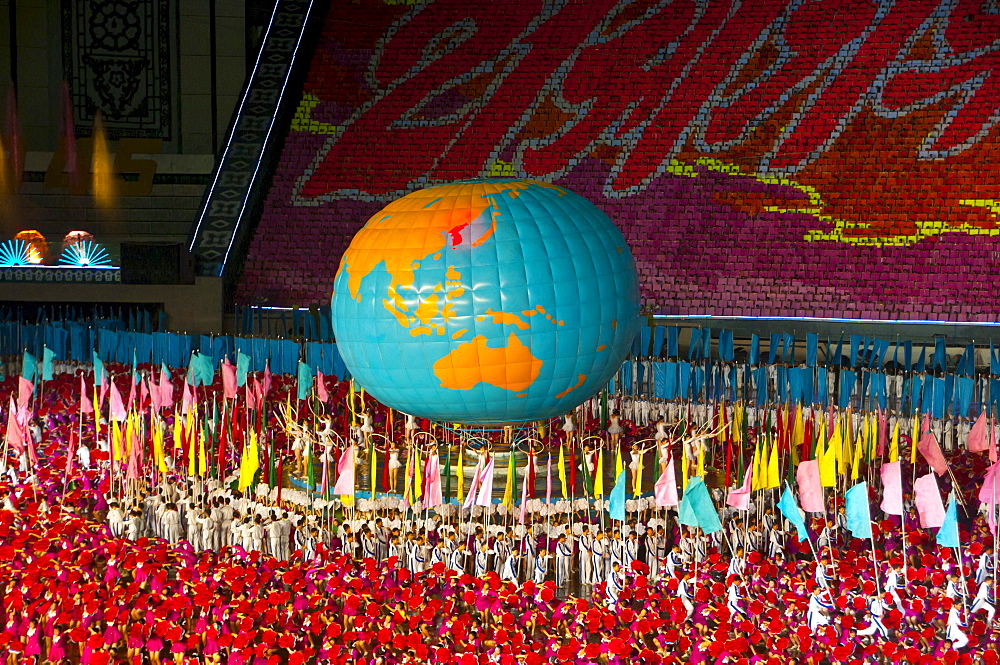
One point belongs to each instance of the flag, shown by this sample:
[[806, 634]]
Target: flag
[[697, 509], [637, 484], [345, 473], [599, 475], [989, 495], [807, 477], [773, 476], [522, 517], [373, 466], [98, 370], [48, 355], [859, 521], [827, 465], [166, 388], [894, 444], [977, 435], [616, 501], [118, 412], [229, 386], [548, 479], [25, 388], [446, 497], [86, 405], [321, 391], [14, 435], [562, 470], [249, 462], [508, 492], [303, 380], [928, 500], [931, 451], [242, 368], [740, 498], [790, 510], [29, 367], [460, 476], [665, 490], [477, 478], [433, 496], [947, 535], [915, 437], [485, 495], [892, 488]]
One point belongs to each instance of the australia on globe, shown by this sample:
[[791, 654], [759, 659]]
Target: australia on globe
[[486, 301]]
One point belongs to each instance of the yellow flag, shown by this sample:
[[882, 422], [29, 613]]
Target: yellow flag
[[915, 438], [161, 461], [250, 462], [637, 485], [827, 467], [701, 459], [373, 468], [894, 444], [116, 440], [202, 457], [759, 463], [562, 470], [856, 466], [737, 428], [508, 492], [618, 463], [178, 435], [599, 475], [418, 476], [836, 447], [799, 428], [773, 479], [192, 451], [461, 474]]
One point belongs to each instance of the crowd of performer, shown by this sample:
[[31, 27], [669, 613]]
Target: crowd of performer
[[191, 570]]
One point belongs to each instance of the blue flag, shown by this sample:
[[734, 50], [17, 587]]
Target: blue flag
[[242, 367], [201, 372], [616, 501], [790, 509], [48, 355], [947, 535], [697, 509], [29, 367], [98, 370], [859, 520], [304, 380]]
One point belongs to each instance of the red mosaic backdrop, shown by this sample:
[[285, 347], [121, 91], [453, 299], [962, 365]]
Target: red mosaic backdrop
[[762, 157]]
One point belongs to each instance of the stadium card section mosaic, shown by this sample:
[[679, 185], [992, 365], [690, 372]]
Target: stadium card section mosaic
[[760, 157]]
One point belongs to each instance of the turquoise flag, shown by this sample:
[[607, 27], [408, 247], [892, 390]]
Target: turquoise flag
[[29, 368], [616, 501], [859, 520], [305, 380], [200, 370], [242, 368], [790, 509], [697, 509], [48, 355], [947, 535], [98, 370]]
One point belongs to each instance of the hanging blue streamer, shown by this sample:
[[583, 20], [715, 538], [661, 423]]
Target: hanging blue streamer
[[812, 349]]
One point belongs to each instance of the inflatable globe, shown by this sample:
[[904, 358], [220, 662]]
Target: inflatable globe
[[486, 301]]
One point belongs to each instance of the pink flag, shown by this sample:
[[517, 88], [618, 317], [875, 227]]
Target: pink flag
[[24, 390], [154, 393], [345, 473], [665, 490], [86, 404], [978, 441], [928, 500], [989, 495], [15, 436], [477, 478], [810, 488], [892, 488], [228, 380], [104, 390], [740, 498], [524, 501], [321, 391], [931, 451], [118, 412], [267, 379], [485, 497], [143, 393], [131, 393], [993, 440], [432, 481], [166, 390], [187, 399], [132, 471]]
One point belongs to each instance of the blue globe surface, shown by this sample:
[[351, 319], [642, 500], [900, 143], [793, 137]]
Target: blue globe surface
[[486, 301]]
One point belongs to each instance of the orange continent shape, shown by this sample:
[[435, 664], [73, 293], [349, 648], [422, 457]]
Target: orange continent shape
[[510, 367]]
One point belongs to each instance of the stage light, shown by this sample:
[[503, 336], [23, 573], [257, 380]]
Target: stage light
[[85, 254], [38, 246]]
